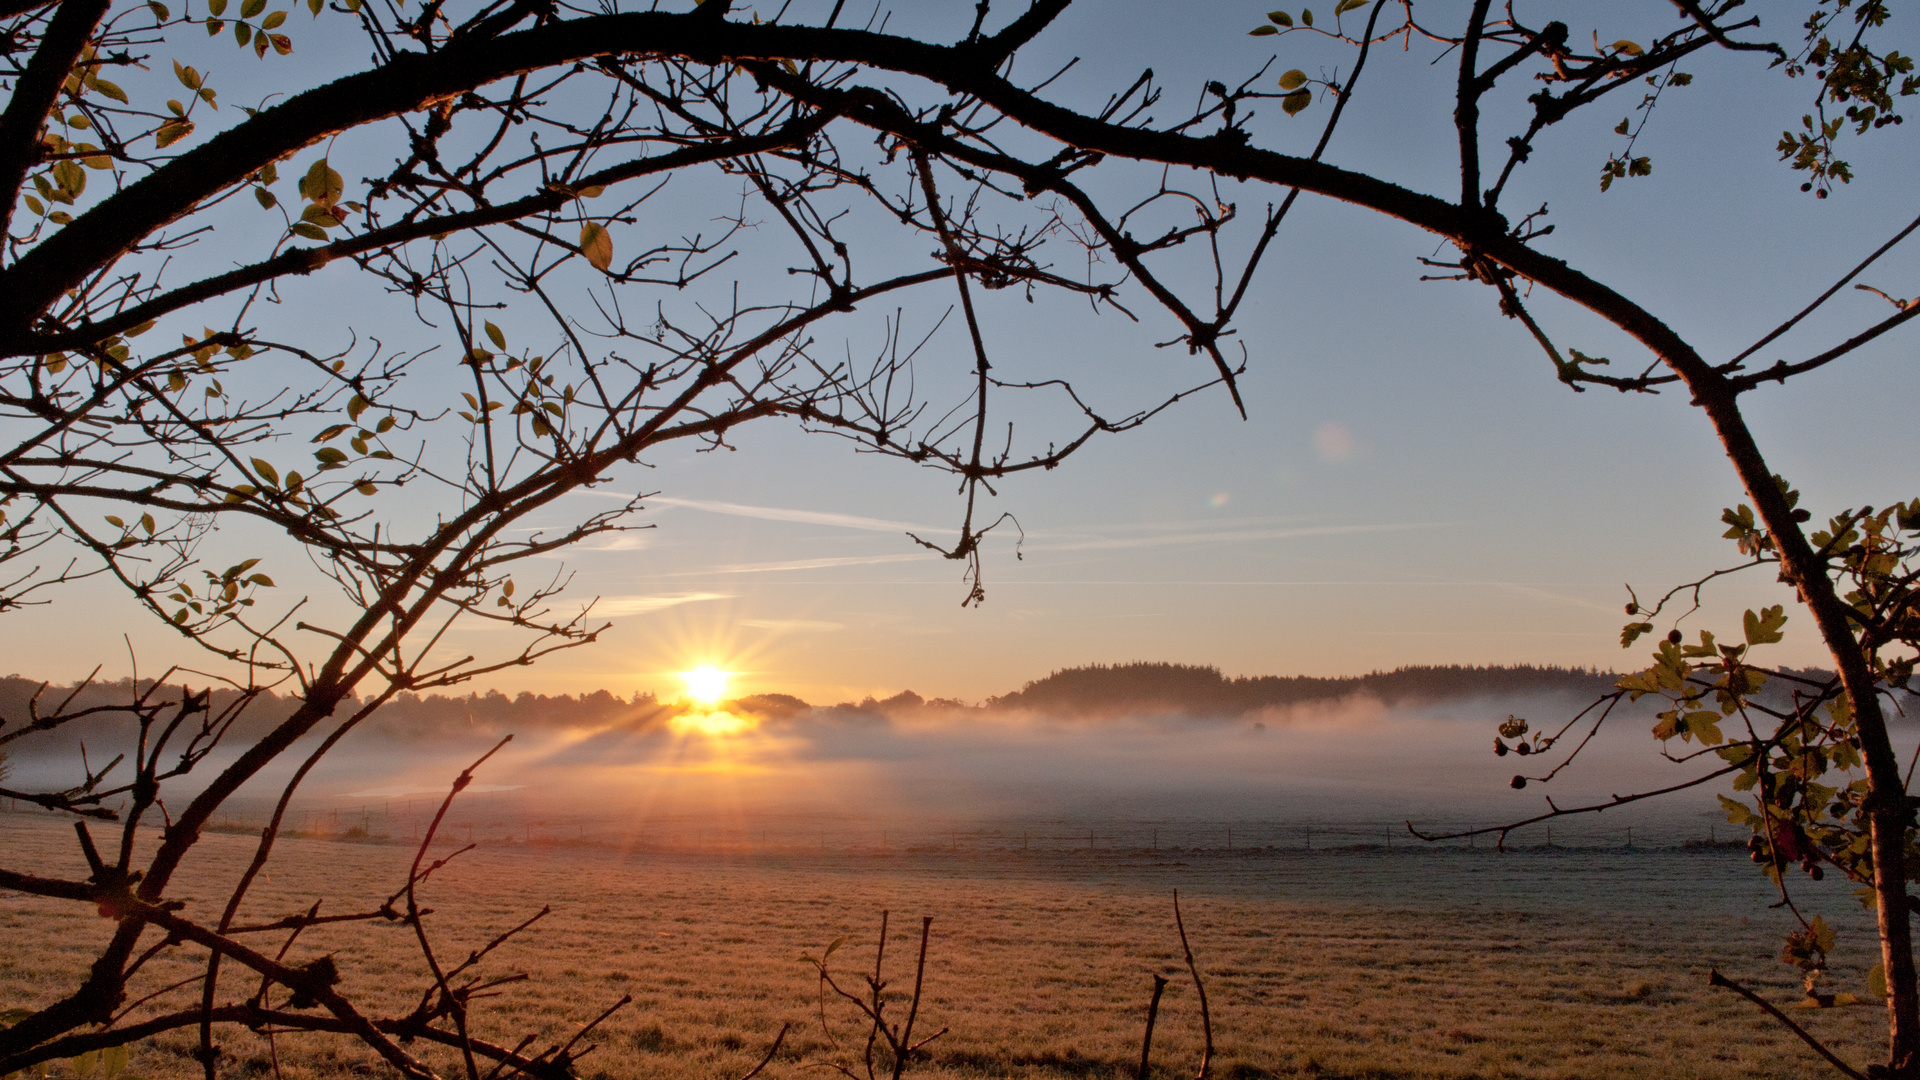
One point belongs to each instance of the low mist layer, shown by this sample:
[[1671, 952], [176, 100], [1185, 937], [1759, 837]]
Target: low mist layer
[[1130, 749]]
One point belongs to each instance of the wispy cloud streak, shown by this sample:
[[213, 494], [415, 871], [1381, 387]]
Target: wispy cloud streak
[[640, 605], [780, 513], [1227, 536], [804, 564]]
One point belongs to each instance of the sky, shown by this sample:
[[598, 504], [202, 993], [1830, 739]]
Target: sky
[[1410, 485]]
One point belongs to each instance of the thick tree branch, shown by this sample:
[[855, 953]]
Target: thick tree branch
[[37, 88]]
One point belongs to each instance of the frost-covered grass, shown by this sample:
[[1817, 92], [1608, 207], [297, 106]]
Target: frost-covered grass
[[1415, 964]]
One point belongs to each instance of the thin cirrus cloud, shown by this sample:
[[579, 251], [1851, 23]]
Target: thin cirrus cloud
[[1227, 536], [779, 513], [803, 564], [1096, 543], [793, 626], [640, 605]]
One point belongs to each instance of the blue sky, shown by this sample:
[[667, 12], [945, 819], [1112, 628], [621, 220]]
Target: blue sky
[[1410, 486]]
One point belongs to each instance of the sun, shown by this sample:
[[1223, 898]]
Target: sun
[[706, 684]]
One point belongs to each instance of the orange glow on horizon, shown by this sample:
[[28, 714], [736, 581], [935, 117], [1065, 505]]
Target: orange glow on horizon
[[713, 725]]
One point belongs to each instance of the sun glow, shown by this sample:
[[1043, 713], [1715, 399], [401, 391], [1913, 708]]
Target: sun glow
[[713, 725], [706, 684]]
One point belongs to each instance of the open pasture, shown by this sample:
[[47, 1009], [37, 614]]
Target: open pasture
[[1419, 963]]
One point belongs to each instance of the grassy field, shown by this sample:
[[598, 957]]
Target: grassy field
[[1419, 963]]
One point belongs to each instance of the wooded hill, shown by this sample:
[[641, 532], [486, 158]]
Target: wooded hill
[[1204, 691], [1080, 692]]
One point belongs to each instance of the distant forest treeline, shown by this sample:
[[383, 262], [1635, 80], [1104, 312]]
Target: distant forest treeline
[[1082, 692], [407, 715], [1155, 687]]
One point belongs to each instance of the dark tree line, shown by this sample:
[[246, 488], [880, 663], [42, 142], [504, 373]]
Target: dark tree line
[[1204, 691]]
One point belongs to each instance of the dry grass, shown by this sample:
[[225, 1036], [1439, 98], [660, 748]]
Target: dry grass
[[1362, 965]]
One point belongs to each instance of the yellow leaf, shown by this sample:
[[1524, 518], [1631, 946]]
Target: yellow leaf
[[596, 244], [172, 132]]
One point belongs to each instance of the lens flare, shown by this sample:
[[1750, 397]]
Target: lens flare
[[706, 684]]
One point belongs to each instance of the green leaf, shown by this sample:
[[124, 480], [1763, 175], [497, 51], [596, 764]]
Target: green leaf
[[330, 455], [216, 8], [1877, 981], [494, 335], [308, 230], [596, 244], [1306, 16], [267, 199], [116, 522], [70, 177], [261, 579], [266, 471], [1280, 17], [110, 90], [250, 8], [1822, 933], [1293, 80], [1702, 726], [1348, 5], [356, 406], [321, 184], [114, 1060], [273, 20], [1262, 31], [1296, 103], [1764, 628], [159, 10], [365, 487], [242, 33]]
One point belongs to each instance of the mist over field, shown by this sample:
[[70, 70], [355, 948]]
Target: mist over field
[[1181, 758]]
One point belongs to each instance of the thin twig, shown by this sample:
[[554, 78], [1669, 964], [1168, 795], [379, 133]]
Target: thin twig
[[1714, 978], [1206, 1018], [1153, 1013]]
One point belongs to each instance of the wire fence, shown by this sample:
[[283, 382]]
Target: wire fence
[[508, 819]]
